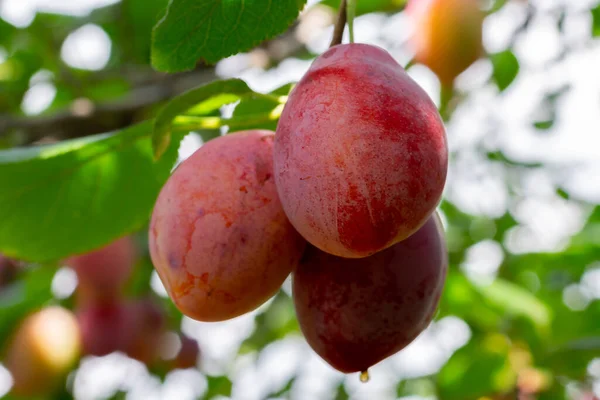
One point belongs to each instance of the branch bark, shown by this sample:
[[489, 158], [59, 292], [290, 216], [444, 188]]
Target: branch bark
[[104, 117], [149, 89]]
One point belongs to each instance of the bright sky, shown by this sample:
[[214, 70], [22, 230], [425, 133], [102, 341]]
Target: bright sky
[[571, 149]]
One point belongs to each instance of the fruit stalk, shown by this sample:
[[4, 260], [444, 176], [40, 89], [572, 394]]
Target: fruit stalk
[[338, 30], [350, 13]]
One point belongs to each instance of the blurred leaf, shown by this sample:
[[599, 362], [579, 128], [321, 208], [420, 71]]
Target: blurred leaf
[[203, 100], [30, 293], [423, 387], [142, 15], [15, 73], [78, 195], [284, 390], [563, 194], [514, 300], [501, 157], [572, 359], [595, 21], [341, 393], [460, 298], [218, 386], [275, 323], [481, 367], [506, 68], [214, 29], [109, 89], [7, 32], [369, 6], [496, 6], [544, 125], [260, 105]]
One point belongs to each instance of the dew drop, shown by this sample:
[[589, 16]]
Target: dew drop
[[364, 376]]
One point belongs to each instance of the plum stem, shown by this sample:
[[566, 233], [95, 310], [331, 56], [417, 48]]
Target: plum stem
[[350, 13], [446, 95], [338, 30]]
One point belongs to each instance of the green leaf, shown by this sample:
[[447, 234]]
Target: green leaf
[[253, 106], [30, 293], [370, 6], [572, 358], [275, 323], [544, 125], [563, 193], [78, 195], [141, 16], [341, 393], [480, 368], [595, 21], [7, 32], [514, 300], [506, 68], [285, 390], [501, 157], [213, 29], [218, 386], [199, 101]]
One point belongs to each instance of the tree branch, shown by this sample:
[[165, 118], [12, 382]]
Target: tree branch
[[149, 89], [107, 117]]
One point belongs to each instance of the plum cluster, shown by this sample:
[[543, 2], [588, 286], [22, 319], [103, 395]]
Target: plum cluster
[[47, 344], [342, 196]]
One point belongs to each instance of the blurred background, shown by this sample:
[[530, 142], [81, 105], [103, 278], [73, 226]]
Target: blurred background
[[520, 314]]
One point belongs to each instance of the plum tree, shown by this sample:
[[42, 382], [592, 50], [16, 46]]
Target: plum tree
[[102, 273], [42, 351], [360, 154], [219, 238], [356, 312], [447, 36]]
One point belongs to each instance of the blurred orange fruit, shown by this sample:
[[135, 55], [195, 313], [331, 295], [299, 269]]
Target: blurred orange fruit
[[448, 35], [43, 350]]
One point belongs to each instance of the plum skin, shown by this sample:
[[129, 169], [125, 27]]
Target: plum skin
[[360, 154], [219, 238], [356, 312]]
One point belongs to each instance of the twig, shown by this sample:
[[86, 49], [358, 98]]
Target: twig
[[104, 117], [149, 89], [338, 30]]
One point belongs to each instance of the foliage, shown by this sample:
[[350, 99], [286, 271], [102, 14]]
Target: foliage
[[98, 180], [211, 30]]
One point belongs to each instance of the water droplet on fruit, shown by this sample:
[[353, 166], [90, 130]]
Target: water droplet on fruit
[[364, 376]]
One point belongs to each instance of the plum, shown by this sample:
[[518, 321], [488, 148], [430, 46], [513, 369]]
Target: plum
[[219, 238], [133, 327], [188, 354], [42, 351], [106, 327], [149, 328], [360, 154], [447, 36], [356, 312], [103, 272]]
